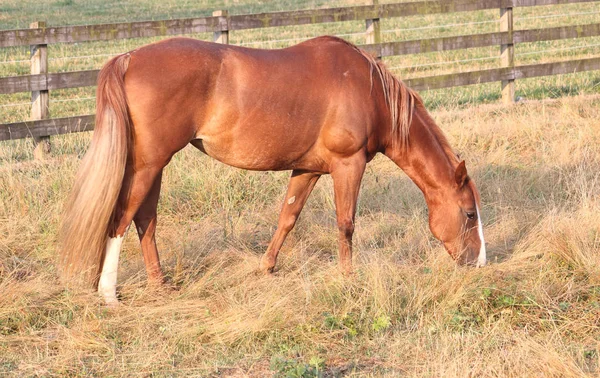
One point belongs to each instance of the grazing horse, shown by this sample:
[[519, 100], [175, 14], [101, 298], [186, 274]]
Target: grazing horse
[[321, 107]]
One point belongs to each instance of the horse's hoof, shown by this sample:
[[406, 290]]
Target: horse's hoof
[[266, 266], [267, 270], [347, 271], [109, 296], [169, 287], [112, 302], [162, 285]]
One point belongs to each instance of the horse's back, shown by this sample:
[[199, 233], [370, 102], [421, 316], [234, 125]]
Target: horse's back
[[251, 108]]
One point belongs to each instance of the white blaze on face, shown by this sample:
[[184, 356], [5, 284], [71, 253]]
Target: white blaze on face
[[482, 259], [107, 286]]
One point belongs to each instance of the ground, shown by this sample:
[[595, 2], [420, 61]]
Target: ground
[[407, 310]]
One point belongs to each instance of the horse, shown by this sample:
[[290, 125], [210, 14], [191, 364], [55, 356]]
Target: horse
[[323, 106]]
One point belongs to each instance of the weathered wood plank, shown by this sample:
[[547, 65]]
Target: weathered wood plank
[[84, 123], [28, 83], [481, 40], [535, 3], [46, 127], [142, 29], [373, 29], [505, 73], [436, 44], [453, 6], [42, 82], [561, 32], [438, 6], [102, 32], [40, 100], [88, 78], [557, 68], [315, 16], [25, 83], [301, 17], [507, 54], [73, 79], [459, 79], [221, 36]]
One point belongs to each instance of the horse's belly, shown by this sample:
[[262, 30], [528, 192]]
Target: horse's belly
[[263, 156]]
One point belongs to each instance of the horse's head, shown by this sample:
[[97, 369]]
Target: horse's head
[[454, 218]]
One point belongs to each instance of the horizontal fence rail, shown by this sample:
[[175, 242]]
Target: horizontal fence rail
[[499, 74], [481, 40], [221, 24], [75, 79], [46, 127], [58, 126], [48, 81], [87, 33]]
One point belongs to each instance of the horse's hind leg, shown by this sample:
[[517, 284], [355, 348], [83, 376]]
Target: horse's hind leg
[[137, 184], [299, 188], [145, 222]]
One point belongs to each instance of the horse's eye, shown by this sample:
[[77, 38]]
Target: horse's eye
[[470, 215]]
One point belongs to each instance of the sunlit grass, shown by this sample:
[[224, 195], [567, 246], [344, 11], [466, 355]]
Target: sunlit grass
[[407, 310]]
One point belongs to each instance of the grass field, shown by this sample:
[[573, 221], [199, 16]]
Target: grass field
[[407, 310]]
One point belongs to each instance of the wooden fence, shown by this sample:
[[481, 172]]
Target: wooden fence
[[40, 82]]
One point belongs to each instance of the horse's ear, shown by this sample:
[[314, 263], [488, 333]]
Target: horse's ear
[[461, 174]]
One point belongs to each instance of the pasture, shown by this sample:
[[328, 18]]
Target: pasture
[[407, 310]]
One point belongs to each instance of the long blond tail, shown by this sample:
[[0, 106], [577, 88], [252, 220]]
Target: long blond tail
[[91, 206]]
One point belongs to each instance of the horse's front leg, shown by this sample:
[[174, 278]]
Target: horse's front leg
[[347, 175], [299, 188]]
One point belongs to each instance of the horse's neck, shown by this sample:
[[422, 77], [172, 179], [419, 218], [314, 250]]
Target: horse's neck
[[426, 160]]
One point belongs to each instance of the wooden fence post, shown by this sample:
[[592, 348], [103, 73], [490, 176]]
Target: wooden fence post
[[373, 33], [40, 100], [507, 54], [222, 36]]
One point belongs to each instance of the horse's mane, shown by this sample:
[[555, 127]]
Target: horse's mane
[[438, 133], [401, 100]]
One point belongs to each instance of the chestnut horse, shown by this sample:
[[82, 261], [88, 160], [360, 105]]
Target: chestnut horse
[[321, 107]]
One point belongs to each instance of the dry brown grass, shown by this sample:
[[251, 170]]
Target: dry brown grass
[[408, 310]]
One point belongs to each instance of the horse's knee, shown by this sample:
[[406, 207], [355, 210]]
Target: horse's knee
[[346, 227], [143, 223], [287, 224]]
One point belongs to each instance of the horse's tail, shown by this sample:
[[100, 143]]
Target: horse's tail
[[90, 209]]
